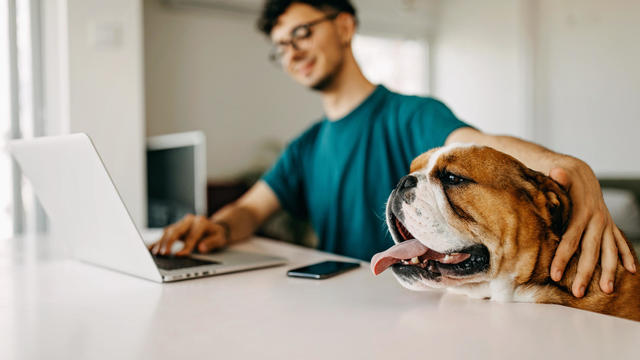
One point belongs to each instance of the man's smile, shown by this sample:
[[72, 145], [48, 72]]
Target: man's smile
[[306, 67]]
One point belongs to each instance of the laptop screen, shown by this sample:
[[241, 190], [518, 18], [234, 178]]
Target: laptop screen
[[170, 184]]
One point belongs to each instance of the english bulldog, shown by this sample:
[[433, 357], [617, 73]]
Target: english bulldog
[[477, 221]]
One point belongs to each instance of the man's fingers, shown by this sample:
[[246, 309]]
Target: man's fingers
[[609, 260], [211, 242], [155, 247], [588, 256], [571, 238], [567, 247], [152, 246], [198, 228], [175, 232], [628, 260], [560, 175], [172, 236]]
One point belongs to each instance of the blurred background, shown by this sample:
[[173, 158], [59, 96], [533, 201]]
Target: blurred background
[[562, 73]]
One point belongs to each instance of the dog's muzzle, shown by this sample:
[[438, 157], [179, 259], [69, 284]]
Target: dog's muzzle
[[411, 258]]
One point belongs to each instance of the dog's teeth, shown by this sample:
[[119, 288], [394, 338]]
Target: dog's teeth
[[415, 261], [446, 258]]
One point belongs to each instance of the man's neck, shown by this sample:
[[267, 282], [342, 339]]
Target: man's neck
[[349, 89]]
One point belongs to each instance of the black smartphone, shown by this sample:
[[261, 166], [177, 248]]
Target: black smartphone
[[322, 270]]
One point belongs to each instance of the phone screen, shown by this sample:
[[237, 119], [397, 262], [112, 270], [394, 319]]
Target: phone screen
[[323, 270]]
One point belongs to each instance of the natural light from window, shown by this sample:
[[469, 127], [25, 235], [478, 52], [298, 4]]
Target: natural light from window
[[399, 64], [6, 219]]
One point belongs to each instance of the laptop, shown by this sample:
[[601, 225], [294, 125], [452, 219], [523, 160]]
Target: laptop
[[176, 177], [84, 205]]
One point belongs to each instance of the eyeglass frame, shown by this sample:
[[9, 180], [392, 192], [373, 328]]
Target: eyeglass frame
[[275, 56]]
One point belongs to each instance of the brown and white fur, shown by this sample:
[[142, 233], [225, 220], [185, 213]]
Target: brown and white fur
[[468, 197]]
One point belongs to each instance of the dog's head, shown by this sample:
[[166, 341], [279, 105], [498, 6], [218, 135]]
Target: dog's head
[[468, 214]]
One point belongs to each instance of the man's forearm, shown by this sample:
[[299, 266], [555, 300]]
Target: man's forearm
[[241, 221], [532, 155], [246, 214]]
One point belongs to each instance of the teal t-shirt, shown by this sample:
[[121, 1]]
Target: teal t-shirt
[[339, 174]]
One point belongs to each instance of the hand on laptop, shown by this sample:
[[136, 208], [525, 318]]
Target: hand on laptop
[[195, 231]]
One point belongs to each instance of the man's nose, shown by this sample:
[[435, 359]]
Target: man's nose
[[407, 182], [295, 54]]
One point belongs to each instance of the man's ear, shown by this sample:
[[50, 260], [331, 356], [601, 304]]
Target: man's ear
[[557, 198], [346, 27]]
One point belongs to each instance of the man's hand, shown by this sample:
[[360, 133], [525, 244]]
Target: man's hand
[[194, 231], [591, 223]]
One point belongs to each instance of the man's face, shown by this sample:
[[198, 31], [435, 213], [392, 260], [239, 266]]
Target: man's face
[[319, 57]]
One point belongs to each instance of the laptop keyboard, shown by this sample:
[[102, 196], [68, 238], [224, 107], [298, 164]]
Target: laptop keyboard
[[179, 262]]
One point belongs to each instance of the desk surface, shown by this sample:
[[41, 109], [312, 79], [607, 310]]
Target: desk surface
[[64, 309]]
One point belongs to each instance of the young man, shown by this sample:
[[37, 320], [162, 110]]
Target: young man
[[340, 171]]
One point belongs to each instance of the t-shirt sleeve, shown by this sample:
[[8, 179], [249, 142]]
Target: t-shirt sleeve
[[431, 124], [286, 179]]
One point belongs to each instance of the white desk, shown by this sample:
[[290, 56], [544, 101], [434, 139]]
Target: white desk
[[62, 309]]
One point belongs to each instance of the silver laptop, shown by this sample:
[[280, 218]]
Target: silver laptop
[[84, 205], [176, 177]]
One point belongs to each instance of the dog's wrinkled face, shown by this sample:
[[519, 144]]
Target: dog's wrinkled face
[[466, 214]]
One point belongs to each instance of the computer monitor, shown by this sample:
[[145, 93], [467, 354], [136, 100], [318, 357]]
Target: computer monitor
[[176, 177]]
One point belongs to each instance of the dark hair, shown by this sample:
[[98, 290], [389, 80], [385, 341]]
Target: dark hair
[[274, 8]]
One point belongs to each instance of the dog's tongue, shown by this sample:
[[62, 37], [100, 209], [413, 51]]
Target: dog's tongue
[[404, 250]]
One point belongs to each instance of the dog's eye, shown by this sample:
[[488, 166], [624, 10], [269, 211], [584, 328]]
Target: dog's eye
[[450, 179]]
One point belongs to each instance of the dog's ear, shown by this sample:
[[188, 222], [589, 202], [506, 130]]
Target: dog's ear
[[557, 200], [421, 161]]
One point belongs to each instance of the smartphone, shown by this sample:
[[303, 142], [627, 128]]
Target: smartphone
[[322, 270]]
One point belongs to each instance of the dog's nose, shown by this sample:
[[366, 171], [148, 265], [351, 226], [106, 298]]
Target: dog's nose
[[407, 182]]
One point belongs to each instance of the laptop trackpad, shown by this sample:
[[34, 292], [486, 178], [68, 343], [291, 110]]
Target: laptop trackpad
[[180, 262], [237, 257]]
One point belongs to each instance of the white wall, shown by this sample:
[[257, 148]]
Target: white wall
[[96, 86], [397, 18], [588, 83], [561, 72], [209, 70], [480, 64]]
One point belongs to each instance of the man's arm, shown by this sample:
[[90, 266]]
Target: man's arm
[[590, 220], [234, 222]]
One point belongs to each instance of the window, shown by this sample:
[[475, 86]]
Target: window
[[6, 173], [21, 107], [399, 64]]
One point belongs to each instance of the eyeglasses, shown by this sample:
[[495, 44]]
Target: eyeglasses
[[298, 35]]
